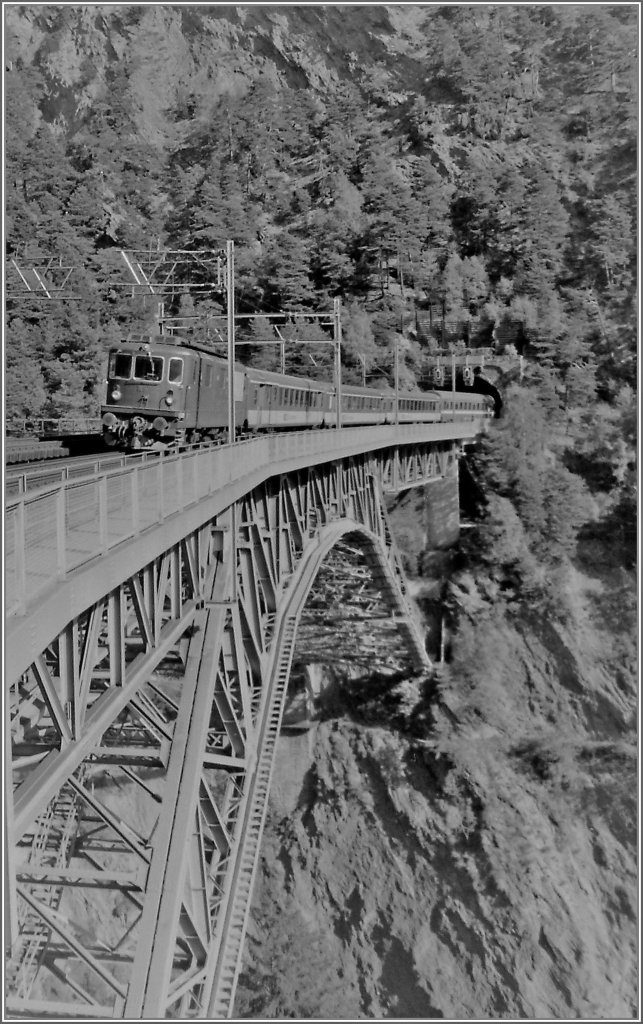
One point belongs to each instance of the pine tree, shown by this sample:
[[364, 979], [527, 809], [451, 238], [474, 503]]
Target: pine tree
[[284, 274]]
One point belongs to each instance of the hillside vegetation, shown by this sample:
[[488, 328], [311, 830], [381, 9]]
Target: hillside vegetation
[[478, 160]]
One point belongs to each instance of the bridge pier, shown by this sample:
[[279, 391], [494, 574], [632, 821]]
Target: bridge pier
[[442, 511]]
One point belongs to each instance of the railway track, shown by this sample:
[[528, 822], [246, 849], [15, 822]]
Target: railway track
[[53, 439], [26, 449]]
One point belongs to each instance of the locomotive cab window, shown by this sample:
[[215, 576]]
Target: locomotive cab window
[[175, 371], [148, 368], [120, 365], [206, 375]]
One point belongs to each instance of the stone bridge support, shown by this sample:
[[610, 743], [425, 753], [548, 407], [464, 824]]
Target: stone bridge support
[[442, 509]]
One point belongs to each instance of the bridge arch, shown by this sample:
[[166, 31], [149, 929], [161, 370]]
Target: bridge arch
[[386, 578]]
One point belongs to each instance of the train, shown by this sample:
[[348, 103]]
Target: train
[[162, 392]]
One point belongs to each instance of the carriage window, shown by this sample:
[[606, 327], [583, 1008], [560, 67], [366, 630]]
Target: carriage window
[[148, 368], [175, 372], [120, 365], [206, 375]]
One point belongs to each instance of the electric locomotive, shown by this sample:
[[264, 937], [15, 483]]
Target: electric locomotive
[[158, 391], [161, 392]]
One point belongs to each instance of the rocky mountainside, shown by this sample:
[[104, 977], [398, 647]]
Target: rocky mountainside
[[484, 868], [205, 52], [465, 847]]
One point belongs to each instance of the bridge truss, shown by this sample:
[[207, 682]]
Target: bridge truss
[[140, 735]]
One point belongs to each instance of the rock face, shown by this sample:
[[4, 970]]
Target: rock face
[[172, 51], [488, 872]]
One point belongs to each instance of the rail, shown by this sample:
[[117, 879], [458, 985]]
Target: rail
[[54, 531]]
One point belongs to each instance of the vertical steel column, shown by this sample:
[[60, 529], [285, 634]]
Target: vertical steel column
[[152, 968], [11, 928], [397, 383], [337, 332], [231, 353]]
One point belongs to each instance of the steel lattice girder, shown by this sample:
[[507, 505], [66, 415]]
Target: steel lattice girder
[[411, 465], [143, 738]]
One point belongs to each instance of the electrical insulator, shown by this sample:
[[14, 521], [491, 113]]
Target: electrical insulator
[[467, 375], [438, 375]]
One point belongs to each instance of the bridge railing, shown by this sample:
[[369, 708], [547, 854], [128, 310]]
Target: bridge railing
[[56, 530]]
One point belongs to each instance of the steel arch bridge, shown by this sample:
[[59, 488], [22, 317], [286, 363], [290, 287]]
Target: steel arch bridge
[[152, 616]]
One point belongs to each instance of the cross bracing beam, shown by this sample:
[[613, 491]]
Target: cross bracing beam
[[45, 276], [164, 272], [144, 715]]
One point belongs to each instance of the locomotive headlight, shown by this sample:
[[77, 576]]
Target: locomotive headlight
[[116, 394], [169, 398]]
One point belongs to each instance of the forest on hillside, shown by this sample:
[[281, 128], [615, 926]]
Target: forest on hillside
[[473, 169]]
